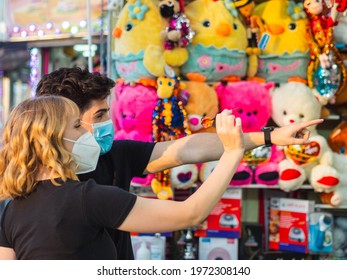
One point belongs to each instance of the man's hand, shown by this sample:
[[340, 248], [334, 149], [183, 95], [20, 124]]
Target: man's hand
[[293, 134]]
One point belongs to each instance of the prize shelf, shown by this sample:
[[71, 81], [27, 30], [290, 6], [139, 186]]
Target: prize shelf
[[251, 186]]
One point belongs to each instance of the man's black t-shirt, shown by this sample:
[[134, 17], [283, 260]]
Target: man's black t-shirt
[[65, 222], [125, 160]]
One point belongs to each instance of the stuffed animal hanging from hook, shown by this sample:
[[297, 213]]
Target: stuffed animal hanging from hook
[[326, 72], [169, 122], [177, 34], [254, 27]]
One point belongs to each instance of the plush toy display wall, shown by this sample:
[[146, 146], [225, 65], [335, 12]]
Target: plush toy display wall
[[211, 46]]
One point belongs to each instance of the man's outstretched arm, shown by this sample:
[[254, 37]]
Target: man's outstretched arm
[[203, 147]]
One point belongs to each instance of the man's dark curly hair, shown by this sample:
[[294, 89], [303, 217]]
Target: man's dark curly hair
[[77, 84]]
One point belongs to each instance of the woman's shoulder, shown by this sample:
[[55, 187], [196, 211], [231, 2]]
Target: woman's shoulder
[[68, 185]]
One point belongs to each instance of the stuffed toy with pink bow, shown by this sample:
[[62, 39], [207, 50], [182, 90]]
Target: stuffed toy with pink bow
[[251, 101]]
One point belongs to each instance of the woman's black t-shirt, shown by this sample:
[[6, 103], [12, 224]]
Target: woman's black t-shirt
[[125, 160], [65, 222]]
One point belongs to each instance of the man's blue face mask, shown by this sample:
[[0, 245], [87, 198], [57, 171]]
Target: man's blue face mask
[[103, 134]]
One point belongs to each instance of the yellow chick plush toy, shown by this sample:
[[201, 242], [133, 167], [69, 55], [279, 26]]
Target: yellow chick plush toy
[[285, 57], [218, 49], [138, 46]]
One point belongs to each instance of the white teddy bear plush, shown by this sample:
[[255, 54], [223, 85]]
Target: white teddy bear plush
[[338, 198], [295, 103]]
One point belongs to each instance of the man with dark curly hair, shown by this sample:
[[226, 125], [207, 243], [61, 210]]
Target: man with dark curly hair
[[120, 161]]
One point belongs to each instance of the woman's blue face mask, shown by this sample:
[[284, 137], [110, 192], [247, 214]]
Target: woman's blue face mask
[[103, 134]]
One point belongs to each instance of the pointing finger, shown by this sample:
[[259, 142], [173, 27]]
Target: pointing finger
[[310, 123]]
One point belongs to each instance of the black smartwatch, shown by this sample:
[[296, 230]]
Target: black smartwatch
[[267, 135]]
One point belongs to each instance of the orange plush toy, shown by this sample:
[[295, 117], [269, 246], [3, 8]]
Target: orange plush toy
[[202, 102], [337, 139]]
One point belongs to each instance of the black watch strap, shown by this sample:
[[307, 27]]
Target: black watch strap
[[267, 135]]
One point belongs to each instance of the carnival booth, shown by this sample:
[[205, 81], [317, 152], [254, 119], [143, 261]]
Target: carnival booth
[[177, 64]]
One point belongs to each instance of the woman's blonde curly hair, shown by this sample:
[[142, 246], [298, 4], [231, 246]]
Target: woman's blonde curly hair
[[33, 138]]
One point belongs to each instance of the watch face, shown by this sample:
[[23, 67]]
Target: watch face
[[268, 128]]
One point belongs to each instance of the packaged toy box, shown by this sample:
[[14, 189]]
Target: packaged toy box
[[293, 226], [225, 218]]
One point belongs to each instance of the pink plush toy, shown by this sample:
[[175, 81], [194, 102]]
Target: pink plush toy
[[132, 110], [251, 101]]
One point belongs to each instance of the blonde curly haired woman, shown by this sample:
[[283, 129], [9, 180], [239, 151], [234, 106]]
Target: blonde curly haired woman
[[54, 216]]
